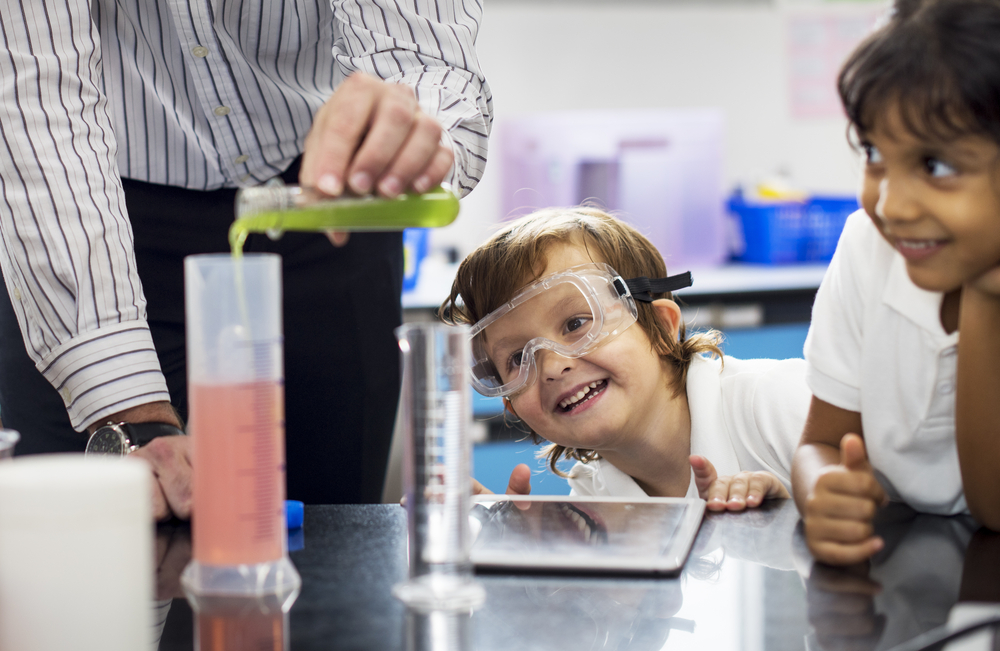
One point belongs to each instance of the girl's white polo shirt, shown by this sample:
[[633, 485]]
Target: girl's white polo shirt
[[876, 346]]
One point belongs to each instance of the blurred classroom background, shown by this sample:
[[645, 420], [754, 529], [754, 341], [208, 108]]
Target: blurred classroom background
[[712, 125]]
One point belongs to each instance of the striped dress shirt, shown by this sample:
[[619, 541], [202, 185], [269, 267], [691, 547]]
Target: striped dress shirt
[[200, 94]]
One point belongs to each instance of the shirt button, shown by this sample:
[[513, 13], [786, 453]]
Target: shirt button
[[246, 178], [239, 160], [200, 51], [946, 387], [64, 392], [17, 294], [221, 110]]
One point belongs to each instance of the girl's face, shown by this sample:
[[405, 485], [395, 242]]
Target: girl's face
[[604, 400], [937, 203]]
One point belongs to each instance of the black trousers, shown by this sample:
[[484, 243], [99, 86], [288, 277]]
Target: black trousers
[[341, 356]]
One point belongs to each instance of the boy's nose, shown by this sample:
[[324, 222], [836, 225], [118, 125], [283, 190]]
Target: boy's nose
[[553, 365], [895, 201]]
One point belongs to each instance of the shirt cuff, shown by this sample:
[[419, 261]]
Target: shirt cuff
[[833, 391], [105, 371]]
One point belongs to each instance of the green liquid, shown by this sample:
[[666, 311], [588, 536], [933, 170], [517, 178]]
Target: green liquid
[[433, 209]]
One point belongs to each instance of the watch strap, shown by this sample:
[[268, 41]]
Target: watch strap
[[142, 433]]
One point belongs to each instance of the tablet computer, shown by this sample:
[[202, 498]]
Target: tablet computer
[[583, 534]]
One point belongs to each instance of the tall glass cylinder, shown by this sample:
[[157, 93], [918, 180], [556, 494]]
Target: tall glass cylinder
[[236, 402], [437, 467]]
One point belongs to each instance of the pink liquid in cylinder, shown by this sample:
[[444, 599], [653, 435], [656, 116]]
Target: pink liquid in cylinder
[[239, 472]]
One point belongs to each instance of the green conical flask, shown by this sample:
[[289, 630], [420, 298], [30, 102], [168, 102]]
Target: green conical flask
[[274, 208]]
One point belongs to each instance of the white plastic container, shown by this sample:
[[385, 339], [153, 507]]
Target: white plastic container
[[76, 554]]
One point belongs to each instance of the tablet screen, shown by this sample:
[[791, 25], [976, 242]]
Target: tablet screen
[[584, 534]]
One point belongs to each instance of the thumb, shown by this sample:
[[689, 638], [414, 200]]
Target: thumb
[[520, 480], [704, 473], [853, 455]]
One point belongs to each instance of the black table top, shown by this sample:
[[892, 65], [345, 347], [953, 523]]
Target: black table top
[[749, 585]]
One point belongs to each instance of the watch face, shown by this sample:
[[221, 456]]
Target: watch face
[[108, 440]]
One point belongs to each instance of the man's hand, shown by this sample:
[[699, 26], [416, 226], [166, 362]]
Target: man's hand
[[371, 136], [838, 514], [734, 492], [519, 484], [169, 458]]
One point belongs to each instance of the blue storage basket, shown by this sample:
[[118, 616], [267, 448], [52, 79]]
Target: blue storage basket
[[825, 217], [784, 232], [772, 231]]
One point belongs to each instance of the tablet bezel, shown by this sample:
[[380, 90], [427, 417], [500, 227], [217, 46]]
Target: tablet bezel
[[670, 561]]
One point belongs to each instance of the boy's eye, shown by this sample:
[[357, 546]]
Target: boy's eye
[[514, 361], [575, 323], [938, 168], [872, 155]]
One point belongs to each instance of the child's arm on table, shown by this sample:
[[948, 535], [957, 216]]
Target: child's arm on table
[[834, 486], [734, 492], [977, 402]]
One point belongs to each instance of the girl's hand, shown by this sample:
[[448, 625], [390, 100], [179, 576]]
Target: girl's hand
[[734, 492], [989, 282], [839, 512]]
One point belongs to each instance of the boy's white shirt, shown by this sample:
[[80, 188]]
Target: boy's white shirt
[[745, 415], [876, 346]]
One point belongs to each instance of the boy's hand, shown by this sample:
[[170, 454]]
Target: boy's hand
[[838, 513], [519, 484], [734, 492]]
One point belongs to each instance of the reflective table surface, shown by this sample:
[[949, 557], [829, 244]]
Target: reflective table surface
[[748, 585]]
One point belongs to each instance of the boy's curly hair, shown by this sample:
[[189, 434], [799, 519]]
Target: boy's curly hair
[[516, 256]]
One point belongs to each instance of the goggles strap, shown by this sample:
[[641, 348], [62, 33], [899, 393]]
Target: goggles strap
[[642, 287]]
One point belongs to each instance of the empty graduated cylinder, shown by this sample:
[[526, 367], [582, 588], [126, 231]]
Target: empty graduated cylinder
[[437, 457]]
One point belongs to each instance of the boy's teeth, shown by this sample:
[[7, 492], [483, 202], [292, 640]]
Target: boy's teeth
[[579, 396]]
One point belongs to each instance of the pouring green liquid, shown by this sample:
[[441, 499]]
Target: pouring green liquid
[[274, 209]]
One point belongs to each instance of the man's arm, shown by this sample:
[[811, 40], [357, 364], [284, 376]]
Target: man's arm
[[977, 402], [69, 265], [419, 112]]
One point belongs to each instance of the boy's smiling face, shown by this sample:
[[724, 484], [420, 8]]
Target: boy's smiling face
[[604, 400], [937, 203]]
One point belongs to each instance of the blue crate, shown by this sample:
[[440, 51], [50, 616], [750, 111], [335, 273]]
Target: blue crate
[[825, 217], [785, 232], [772, 231]]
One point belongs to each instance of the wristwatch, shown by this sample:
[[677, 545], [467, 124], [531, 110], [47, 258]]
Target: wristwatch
[[120, 439]]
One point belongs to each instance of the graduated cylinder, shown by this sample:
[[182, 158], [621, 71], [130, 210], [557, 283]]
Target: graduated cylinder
[[236, 399]]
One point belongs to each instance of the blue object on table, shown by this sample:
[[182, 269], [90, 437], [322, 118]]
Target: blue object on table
[[294, 513], [782, 232], [414, 251]]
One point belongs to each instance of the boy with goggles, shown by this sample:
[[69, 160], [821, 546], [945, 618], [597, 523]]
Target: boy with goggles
[[592, 356], [570, 313]]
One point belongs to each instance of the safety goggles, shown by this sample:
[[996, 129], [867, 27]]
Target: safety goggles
[[570, 313]]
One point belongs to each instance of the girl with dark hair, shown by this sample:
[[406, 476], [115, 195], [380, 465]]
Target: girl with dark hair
[[900, 411]]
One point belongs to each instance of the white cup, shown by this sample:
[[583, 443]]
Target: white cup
[[76, 553]]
